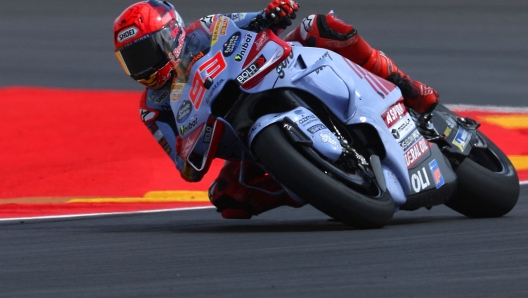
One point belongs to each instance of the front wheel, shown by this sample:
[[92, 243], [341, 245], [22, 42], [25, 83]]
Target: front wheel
[[323, 191]]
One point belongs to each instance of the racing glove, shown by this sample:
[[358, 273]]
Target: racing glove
[[280, 13]]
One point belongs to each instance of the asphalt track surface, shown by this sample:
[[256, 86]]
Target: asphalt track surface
[[473, 52]]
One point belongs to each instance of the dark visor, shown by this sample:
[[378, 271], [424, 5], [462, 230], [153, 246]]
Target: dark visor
[[143, 57]]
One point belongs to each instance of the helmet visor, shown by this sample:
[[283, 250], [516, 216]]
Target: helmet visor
[[145, 56]]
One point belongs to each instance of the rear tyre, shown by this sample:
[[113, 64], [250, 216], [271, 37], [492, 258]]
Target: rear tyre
[[321, 190], [488, 185]]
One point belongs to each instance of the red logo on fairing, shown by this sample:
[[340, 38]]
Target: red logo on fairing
[[251, 70], [416, 152], [262, 38], [394, 113], [212, 68]]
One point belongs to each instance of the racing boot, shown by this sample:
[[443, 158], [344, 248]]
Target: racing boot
[[329, 32], [236, 201]]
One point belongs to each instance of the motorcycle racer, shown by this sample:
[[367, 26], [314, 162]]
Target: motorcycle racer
[[155, 48]]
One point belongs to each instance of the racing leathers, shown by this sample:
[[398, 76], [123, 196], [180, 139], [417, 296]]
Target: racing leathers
[[232, 199]]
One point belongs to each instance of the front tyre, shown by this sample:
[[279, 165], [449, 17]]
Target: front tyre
[[488, 185], [322, 191]]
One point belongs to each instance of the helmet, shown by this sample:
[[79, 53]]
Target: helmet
[[148, 39]]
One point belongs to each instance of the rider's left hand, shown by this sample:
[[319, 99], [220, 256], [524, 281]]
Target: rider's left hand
[[282, 12]]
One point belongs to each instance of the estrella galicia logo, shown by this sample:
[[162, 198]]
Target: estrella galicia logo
[[231, 44], [184, 111]]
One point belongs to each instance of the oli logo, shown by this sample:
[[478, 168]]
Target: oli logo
[[420, 180]]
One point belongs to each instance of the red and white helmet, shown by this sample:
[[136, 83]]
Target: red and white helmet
[[148, 40]]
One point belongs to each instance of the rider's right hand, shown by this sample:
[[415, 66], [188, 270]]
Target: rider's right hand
[[281, 13]]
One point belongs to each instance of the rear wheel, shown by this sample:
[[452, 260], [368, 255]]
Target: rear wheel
[[325, 191], [488, 185]]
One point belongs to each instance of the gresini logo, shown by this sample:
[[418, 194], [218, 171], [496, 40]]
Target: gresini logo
[[251, 70], [126, 34]]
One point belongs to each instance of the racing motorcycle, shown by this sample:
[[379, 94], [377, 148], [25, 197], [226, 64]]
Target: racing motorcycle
[[333, 134]]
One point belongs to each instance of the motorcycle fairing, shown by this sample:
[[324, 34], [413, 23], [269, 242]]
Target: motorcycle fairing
[[354, 96], [323, 140], [207, 78], [265, 42]]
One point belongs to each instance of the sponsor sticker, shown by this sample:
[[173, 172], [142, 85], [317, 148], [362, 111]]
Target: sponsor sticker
[[403, 127], [216, 31], [437, 174], [176, 90], [251, 70], [327, 54], [415, 152], [246, 41], [307, 120], [184, 111], [191, 63], [208, 130], [158, 135], [316, 128], [447, 131], [410, 140], [284, 65], [152, 127], [225, 24], [127, 34], [161, 97], [420, 180], [327, 138], [213, 89], [394, 113], [188, 126], [262, 38], [231, 44], [461, 139]]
